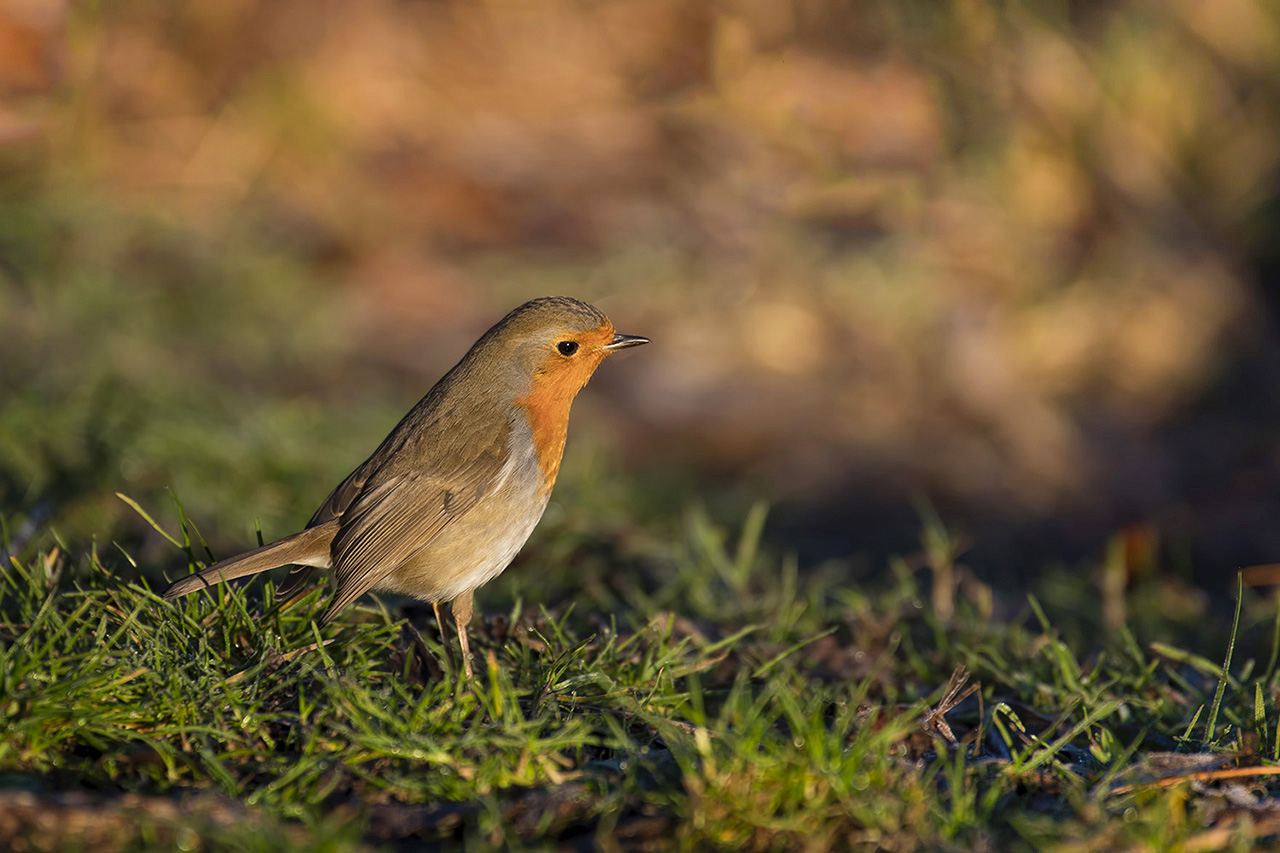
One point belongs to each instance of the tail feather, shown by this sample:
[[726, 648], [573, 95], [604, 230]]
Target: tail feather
[[293, 584], [310, 547]]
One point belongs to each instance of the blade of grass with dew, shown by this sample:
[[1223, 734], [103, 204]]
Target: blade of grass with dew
[[1212, 722]]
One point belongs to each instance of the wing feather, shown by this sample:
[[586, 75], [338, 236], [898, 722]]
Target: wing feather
[[396, 514]]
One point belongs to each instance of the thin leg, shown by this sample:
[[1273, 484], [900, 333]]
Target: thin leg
[[435, 605], [462, 618]]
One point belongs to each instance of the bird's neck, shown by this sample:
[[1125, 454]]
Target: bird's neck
[[554, 384], [547, 408]]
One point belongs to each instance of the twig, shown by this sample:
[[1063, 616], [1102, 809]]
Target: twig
[[935, 720], [284, 657], [1202, 776]]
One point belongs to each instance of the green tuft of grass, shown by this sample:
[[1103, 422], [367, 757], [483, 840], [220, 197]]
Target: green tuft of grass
[[721, 698]]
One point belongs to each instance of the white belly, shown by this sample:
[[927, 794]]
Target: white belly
[[476, 547]]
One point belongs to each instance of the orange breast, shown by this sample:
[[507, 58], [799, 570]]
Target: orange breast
[[555, 384], [548, 413]]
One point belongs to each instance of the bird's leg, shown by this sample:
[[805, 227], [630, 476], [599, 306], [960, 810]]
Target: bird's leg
[[462, 618], [435, 605]]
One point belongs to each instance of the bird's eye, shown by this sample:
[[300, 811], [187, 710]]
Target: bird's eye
[[567, 348]]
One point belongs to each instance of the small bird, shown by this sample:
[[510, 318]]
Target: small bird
[[451, 495]]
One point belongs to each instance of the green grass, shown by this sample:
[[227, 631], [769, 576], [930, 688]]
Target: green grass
[[714, 695]]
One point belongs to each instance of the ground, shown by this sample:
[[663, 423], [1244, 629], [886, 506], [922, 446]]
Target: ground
[[710, 694]]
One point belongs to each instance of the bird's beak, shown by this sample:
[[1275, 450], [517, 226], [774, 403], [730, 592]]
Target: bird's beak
[[624, 341]]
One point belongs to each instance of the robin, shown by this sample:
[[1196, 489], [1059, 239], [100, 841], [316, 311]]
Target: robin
[[450, 496]]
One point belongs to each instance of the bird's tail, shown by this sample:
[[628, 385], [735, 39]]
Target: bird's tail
[[310, 547]]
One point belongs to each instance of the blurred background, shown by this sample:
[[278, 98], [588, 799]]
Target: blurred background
[[1017, 262]]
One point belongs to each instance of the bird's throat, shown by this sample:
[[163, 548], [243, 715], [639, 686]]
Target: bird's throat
[[547, 408], [555, 383]]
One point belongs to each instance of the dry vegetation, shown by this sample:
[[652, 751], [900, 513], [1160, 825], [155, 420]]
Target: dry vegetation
[[976, 249]]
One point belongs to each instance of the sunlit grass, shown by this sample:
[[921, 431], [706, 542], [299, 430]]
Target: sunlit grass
[[766, 712]]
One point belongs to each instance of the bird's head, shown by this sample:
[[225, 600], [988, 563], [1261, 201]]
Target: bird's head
[[558, 343]]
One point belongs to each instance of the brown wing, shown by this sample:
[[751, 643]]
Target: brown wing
[[398, 512], [346, 493], [333, 507]]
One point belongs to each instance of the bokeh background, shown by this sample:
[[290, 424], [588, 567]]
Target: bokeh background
[[1017, 262]]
